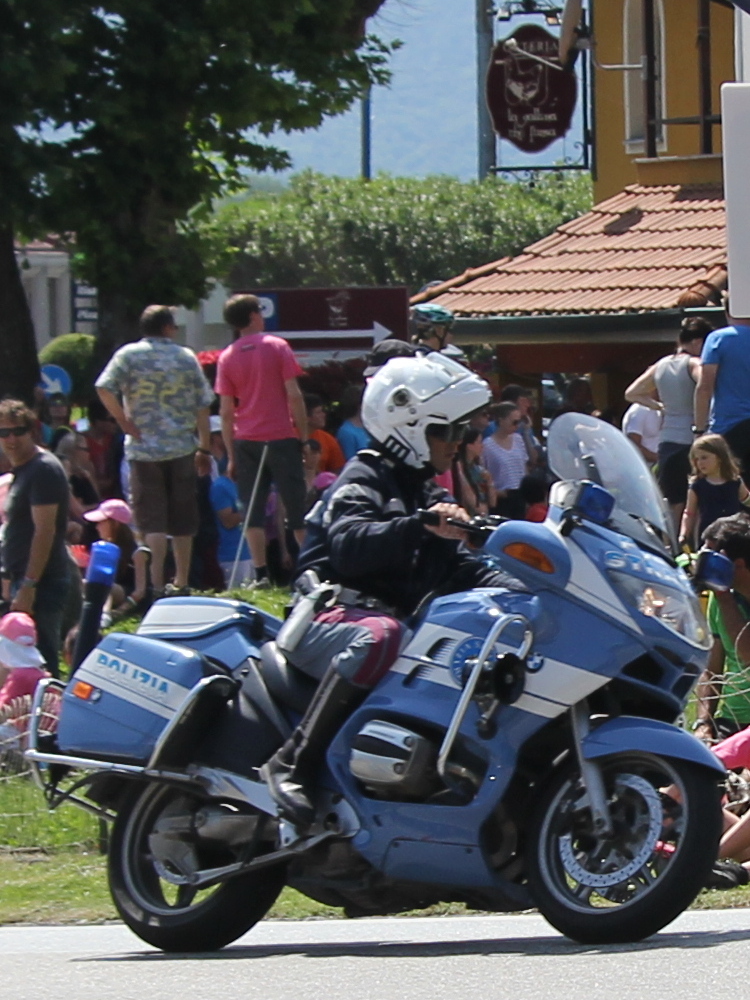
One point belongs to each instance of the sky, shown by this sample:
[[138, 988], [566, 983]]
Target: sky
[[426, 121]]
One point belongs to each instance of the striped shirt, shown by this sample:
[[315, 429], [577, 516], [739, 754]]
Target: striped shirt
[[507, 466]]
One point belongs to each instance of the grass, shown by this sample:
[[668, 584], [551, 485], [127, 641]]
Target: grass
[[67, 887], [70, 886], [26, 823], [64, 887], [37, 887]]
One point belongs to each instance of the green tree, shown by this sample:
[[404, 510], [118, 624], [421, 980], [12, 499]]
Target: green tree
[[327, 231], [75, 352], [162, 98]]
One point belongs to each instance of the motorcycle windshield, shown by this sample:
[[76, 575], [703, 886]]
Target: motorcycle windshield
[[583, 447]]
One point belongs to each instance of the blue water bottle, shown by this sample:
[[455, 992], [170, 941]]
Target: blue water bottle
[[100, 575]]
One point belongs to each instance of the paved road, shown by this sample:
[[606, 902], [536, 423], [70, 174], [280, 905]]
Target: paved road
[[704, 954]]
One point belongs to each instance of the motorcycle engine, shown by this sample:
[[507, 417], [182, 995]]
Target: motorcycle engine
[[393, 762]]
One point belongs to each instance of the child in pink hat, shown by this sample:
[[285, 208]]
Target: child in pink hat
[[20, 660], [110, 510], [113, 519]]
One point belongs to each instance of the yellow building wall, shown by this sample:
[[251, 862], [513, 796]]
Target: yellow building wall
[[615, 163]]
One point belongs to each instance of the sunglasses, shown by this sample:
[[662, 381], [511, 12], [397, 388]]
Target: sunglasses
[[6, 432], [448, 432]]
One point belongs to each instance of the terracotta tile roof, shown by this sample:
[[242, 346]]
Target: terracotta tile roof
[[44, 246], [645, 249]]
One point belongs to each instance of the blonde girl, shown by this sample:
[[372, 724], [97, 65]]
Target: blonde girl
[[715, 489]]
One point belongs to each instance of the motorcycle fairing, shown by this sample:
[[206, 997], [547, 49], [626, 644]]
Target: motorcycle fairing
[[572, 657], [566, 665]]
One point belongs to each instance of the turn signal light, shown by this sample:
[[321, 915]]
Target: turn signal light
[[83, 690], [526, 553]]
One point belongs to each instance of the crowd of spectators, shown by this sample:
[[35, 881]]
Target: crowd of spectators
[[169, 470]]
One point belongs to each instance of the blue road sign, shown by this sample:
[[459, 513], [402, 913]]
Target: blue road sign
[[269, 308], [55, 380]]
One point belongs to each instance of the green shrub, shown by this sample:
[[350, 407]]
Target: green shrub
[[326, 231], [75, 353]]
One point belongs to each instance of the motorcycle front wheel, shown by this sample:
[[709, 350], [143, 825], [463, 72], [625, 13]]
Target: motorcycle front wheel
[[155, 848], [628, 884]]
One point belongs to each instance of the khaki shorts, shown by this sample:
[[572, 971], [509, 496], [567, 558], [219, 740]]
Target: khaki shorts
[[164, 496]]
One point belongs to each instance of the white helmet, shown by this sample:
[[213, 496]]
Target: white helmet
[[408, 395]]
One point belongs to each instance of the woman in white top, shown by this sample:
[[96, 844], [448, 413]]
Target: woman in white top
[[505, 457]]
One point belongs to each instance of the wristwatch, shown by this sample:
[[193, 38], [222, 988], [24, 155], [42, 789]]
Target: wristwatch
[[29, 581], [698, 430], [703, 722]]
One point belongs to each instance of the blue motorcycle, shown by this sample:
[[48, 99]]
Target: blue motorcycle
[[521, 751]]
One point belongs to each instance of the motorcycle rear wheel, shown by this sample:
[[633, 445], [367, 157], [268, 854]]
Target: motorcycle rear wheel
[[622, 887], [152, 896]]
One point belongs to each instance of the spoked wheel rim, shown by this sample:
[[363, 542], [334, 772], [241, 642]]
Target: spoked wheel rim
[[163, 853], [590, 872]]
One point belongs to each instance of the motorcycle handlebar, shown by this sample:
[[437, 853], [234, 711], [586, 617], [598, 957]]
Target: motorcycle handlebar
[[478, 528], [430, 517]]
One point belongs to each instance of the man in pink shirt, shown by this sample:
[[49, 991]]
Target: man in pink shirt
[[261, 404]]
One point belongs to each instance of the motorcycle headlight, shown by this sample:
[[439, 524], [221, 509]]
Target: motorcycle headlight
[[678, 610]]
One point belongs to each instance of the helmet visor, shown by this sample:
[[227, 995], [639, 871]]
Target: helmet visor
[[448, 432]]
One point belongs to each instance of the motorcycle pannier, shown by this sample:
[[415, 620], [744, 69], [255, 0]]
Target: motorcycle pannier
[[123, 695]]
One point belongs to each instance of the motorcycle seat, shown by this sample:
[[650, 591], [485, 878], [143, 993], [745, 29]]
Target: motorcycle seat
[[288, 685]]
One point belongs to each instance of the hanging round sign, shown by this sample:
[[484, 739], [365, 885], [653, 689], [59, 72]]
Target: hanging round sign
[[531, 104]]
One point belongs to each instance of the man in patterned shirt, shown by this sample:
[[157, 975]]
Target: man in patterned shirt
[[156, 391]]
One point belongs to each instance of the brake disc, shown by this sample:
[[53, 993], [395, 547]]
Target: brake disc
[[575, 859]]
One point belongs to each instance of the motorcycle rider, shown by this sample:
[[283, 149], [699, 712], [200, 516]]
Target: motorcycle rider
[[366, 535]]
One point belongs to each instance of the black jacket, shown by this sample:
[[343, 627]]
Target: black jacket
[[364, 533]]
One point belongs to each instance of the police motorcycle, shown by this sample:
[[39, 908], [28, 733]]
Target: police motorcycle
[[517, 754]]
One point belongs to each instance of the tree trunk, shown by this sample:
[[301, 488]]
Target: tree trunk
[[19, 365], [118, 324]]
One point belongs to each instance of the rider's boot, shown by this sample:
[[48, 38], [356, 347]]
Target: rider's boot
[[292, 767]]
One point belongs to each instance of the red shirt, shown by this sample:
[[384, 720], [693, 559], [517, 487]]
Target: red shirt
[[100, 453], [254, 370], [537, 512]]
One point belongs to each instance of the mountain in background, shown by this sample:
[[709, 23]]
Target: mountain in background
[[426, 121]]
